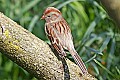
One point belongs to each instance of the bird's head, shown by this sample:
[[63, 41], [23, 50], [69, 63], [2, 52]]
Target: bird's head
[[51, 14]]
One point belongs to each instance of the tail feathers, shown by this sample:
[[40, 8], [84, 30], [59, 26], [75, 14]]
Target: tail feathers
[[79, 61]]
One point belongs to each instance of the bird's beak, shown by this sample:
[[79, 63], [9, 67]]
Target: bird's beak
[[43, 17]]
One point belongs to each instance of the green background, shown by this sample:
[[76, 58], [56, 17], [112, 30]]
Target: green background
[[96, 38]]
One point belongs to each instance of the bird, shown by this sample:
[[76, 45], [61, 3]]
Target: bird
[[59, 34]]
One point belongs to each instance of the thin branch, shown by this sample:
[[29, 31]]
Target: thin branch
[[113, 9]]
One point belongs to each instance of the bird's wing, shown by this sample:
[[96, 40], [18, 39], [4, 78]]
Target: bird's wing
[[53, 36]]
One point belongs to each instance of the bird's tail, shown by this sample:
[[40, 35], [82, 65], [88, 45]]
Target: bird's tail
[[79, 61]]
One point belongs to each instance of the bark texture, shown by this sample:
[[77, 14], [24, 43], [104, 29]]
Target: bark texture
[[34, 55], [113, 9]]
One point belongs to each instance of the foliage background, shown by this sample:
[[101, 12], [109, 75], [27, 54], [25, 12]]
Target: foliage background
[[96, 38]]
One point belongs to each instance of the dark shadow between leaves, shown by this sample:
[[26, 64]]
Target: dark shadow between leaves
[[64, 63]]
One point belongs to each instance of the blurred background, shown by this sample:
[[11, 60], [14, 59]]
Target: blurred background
[[96, 38]]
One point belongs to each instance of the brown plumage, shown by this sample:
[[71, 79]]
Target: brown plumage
[[59, 33]]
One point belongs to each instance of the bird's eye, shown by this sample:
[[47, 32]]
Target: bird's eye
[[48, 16]]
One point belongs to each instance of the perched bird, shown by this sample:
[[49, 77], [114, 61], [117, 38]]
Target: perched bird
[[59, 34]]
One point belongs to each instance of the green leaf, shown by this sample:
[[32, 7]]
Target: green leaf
[[103, 67], [92, 25], [93, 50], [118, 70], [105, 43], [8, 66], [29, 5], [0, 58], [91, 59], [32, 23], [67, 2]]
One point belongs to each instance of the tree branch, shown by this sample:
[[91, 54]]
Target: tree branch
[[113, 8], [34, 55]]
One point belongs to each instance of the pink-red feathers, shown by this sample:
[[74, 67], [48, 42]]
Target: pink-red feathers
[[59, 33]]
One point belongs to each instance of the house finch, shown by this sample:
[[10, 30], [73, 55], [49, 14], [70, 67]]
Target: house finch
[[59, 33]]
